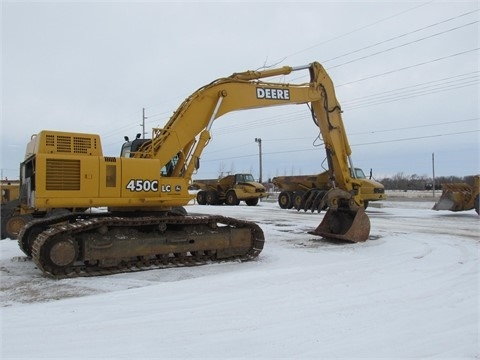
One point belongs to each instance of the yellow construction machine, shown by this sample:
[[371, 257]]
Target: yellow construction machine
[[9, 222], [459, 196], [146, 187], [10, 190], [230, 190], [305, 192]]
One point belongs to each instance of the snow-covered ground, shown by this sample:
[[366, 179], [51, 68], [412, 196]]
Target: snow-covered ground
[[411, 290]]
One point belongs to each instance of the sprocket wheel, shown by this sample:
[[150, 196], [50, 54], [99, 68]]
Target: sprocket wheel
[[59, 253]]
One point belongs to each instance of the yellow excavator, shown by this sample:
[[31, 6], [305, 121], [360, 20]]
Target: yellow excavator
[[146, 187]]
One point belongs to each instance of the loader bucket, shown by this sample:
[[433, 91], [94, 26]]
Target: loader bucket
[[455, 197], [444, 203], [344, 224]]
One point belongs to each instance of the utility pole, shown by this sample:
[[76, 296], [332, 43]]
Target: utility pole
[[143, 122], [259, 141], [433, 170]]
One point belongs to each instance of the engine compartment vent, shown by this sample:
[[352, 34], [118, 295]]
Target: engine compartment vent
[[62, 174]]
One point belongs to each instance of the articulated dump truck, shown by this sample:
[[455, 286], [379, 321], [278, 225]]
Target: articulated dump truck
[[307, 191], [230, 190], [459, 196]]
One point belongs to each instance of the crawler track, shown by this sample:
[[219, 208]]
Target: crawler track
[[67, 247]]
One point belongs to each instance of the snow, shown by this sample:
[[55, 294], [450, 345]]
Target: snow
[[411, 290]]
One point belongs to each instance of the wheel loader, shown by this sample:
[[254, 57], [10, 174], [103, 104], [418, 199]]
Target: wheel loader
[[459, 196], [145, 189], [297, 191], [230, 190]]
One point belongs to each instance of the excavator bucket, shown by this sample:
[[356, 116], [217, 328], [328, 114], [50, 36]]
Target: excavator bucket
[[344, 224], [455, 197]]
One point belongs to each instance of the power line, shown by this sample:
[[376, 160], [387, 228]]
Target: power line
[[402, 45], [408, 67], [421, 89], [415, 127], [352, 145], [400, 36], [408, 88], [412, 94], [417, 138], [346, 105], [355, 30], [359, 29], [370, 100], [387, 130]]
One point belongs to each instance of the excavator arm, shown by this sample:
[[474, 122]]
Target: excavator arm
[[189, 130]]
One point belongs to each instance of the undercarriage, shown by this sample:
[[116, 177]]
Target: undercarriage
[[102, 244]]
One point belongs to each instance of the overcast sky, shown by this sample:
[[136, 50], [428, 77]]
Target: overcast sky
[[406, 75]]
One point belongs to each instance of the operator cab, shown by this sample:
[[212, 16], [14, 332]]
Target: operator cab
[[130, 147], [243, 178], [358, 174]]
